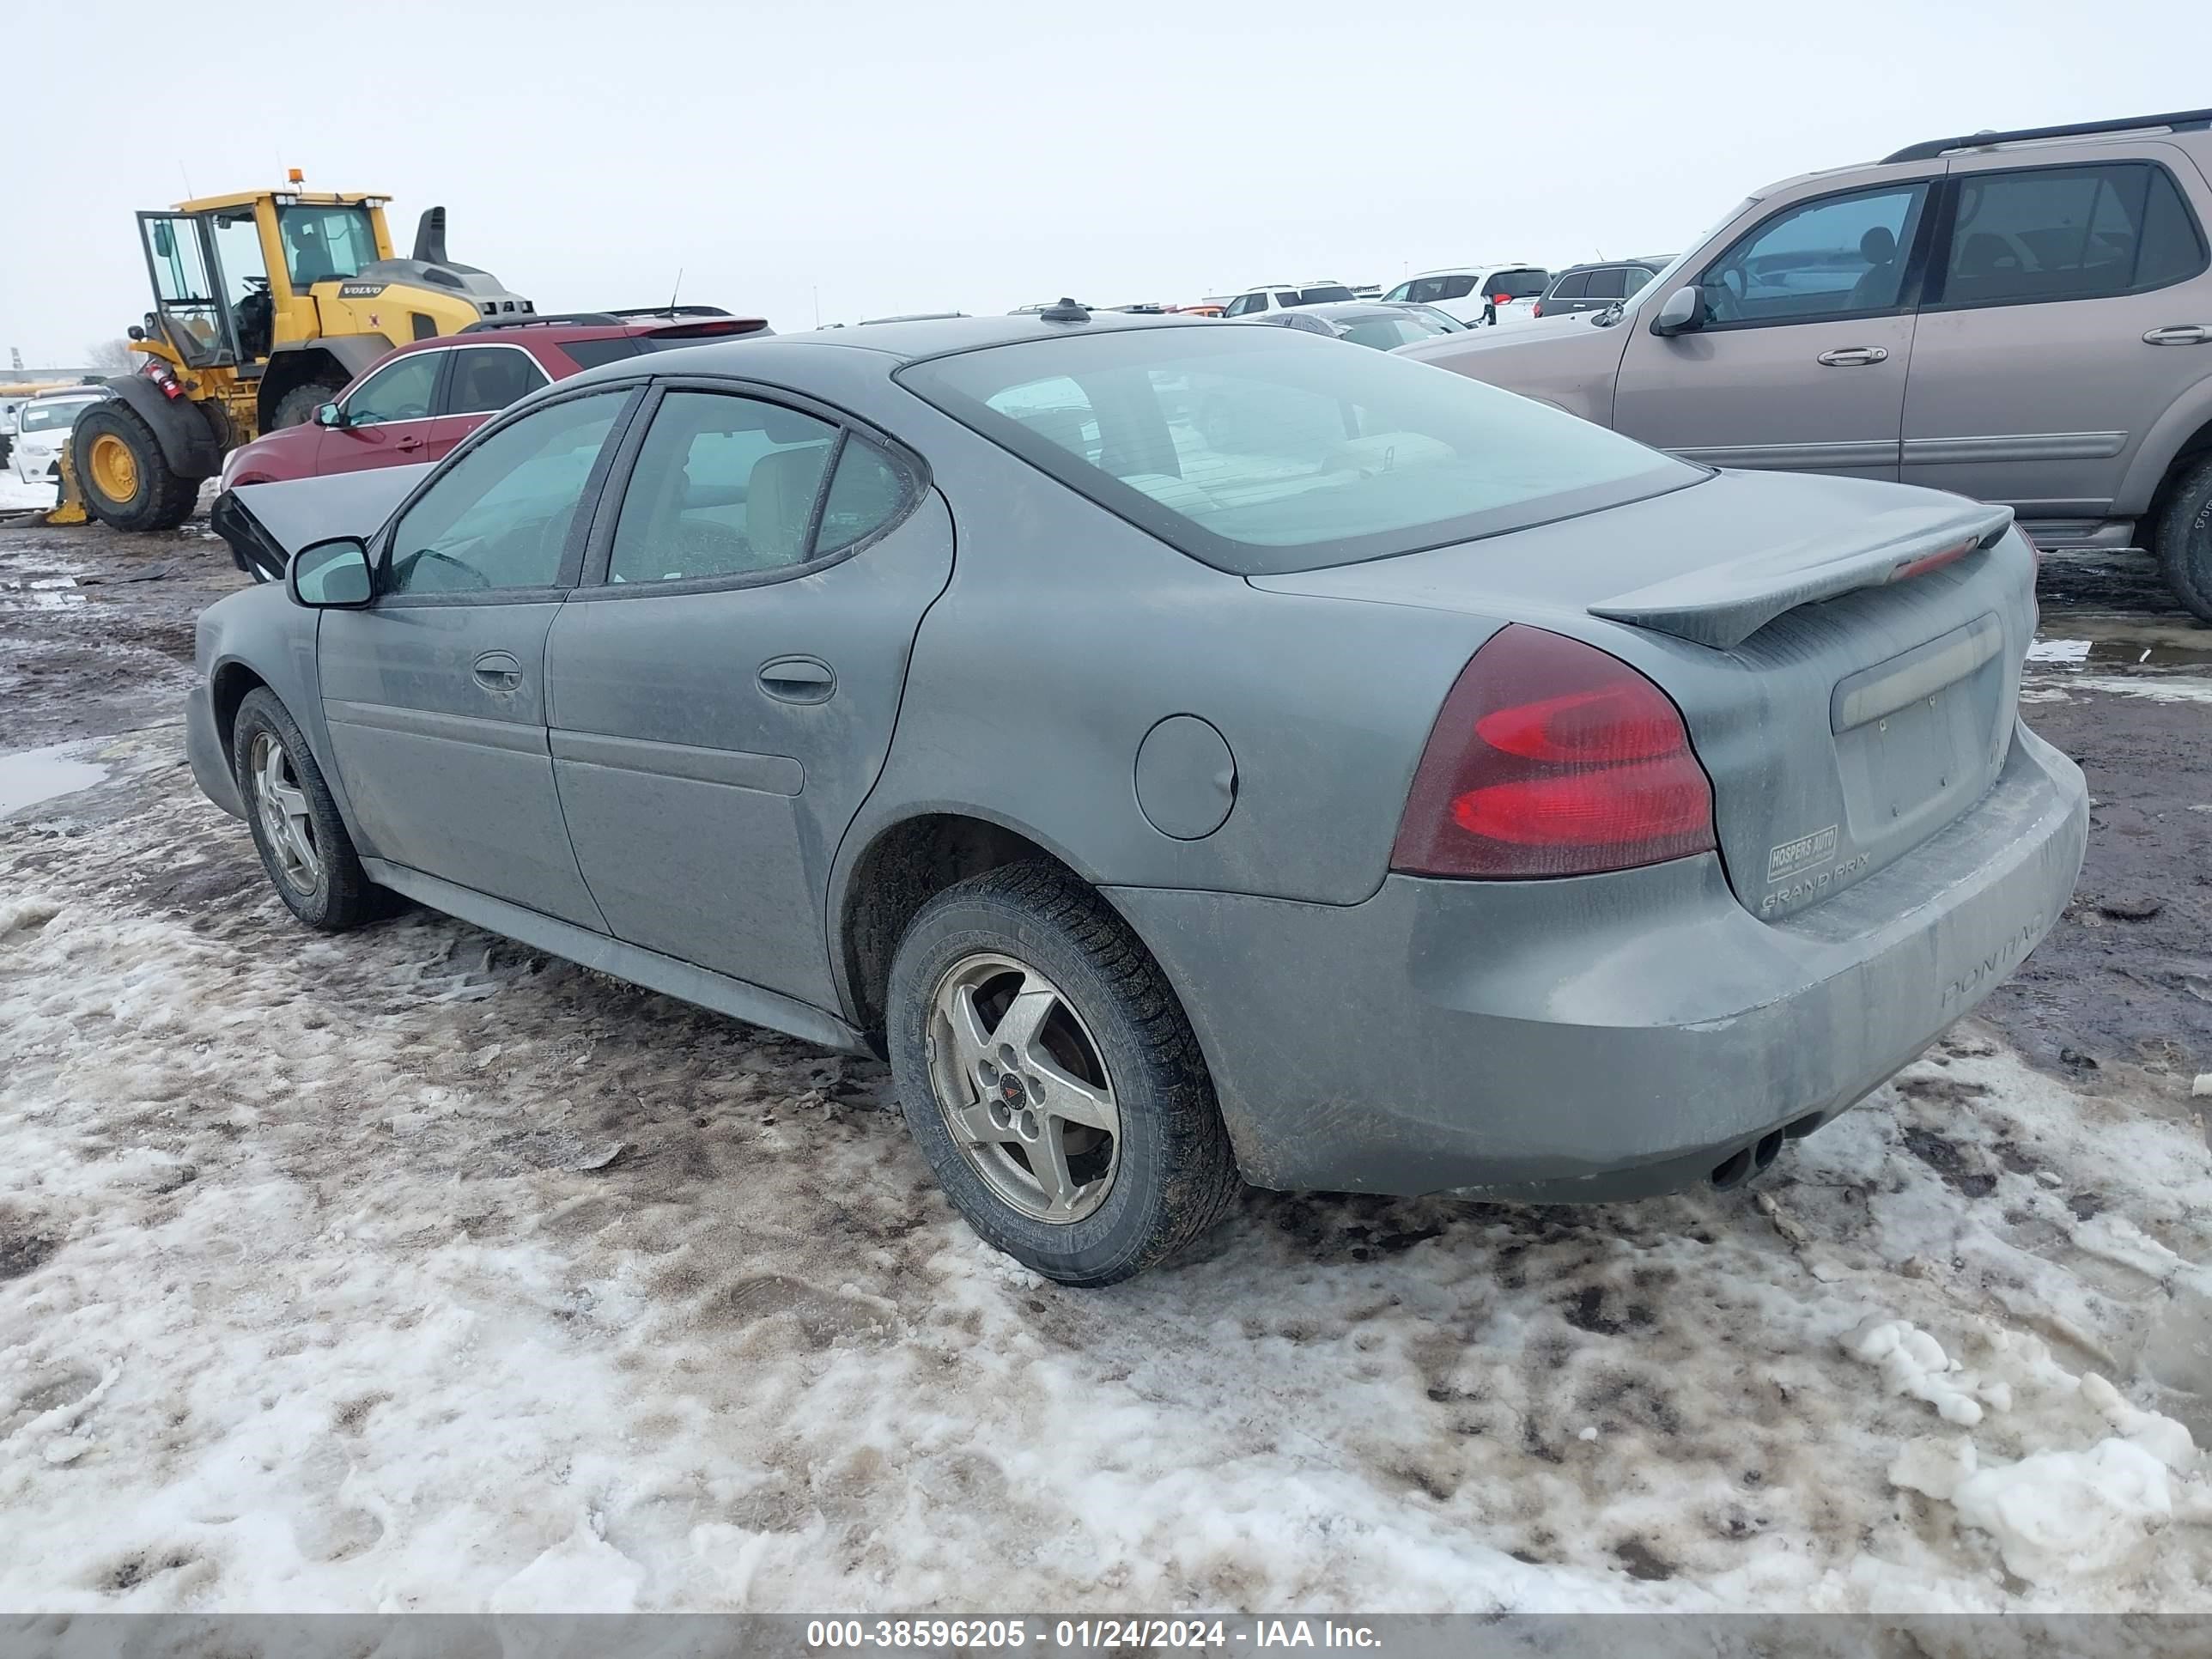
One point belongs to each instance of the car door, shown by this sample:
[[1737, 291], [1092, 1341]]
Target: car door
[[1798, 359], [387, 418], [481, 380], [2055, 329], [436, 693], [723, 696]]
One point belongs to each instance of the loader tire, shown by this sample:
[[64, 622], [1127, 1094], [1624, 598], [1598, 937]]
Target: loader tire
[[126, 481], [298, 406]]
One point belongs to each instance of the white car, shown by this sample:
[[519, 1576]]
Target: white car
[[1480, 295], [42, 427], [1286, 296]]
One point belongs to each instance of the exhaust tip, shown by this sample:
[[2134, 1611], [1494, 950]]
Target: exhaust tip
[[1733, 1171]]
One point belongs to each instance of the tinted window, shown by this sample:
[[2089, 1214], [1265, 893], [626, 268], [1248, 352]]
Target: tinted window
[[1260, 450], [1837, 256], [723, 487], [1326, 295], [2065, 233], [866, 492], [1386, 333], [1606, 284], [500, 515], [1524, 285], [488, 377], [590, 354], [397, 391], [1572, 286]]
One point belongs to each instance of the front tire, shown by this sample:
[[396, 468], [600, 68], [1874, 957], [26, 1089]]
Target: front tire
[[127, 481], [2183, 541], [1052, 1079], [305, 850]]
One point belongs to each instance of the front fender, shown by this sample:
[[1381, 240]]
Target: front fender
[[189, 444]]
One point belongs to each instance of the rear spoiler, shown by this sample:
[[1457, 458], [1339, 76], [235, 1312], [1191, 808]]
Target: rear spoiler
[[1723, 605]]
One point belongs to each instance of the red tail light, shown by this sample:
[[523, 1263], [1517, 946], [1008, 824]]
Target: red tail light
[[1501, 298], [1536, 310], [1550, 758]]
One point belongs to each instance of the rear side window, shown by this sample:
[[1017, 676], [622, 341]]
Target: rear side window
[[1260, 451], [867, 491], [724, 486], [1606, 284], [488, 378], [590, 354], [2053, 234], [1574, 285]]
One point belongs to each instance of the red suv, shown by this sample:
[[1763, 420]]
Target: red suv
[[415, 403]]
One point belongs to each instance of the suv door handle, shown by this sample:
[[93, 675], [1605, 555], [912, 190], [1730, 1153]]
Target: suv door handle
[[2179, 334], [499, 671], [1852, 357], [410, 442], [799, 679]]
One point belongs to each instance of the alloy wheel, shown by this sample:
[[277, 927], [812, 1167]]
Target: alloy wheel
[[287, 822], [1023, 1088]]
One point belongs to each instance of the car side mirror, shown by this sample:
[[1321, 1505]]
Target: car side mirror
[[1684, 311], [332, 576], [329, 415]]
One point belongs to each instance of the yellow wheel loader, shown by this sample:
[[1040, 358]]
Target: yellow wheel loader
[[266, 303]]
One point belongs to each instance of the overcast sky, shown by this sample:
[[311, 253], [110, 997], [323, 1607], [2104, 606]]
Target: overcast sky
[[873, 156]]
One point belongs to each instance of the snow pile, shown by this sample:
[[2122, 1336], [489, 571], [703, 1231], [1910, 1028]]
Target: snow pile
[[2055, 1513]]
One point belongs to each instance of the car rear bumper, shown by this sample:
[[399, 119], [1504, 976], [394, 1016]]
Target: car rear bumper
[[1598, 1037], [204, 748]]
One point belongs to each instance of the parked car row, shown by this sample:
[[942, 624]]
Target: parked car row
[[2023, 318], [39, 427]]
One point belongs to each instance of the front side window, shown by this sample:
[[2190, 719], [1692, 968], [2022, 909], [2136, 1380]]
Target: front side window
[[489, 377], [1261, 451], [1400, 294], [397, 391], [499, 515], [323, 244], [2065, 233], [724, 486], [1832, 258]]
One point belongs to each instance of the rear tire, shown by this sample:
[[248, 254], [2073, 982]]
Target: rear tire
[[305, 850], [127, 481], [2183, 539], [298, 406], [1007, 1111]]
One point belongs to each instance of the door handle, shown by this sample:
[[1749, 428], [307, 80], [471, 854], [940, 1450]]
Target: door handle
[[1852, 357], [410, 442], [799, 679], [2177, 334], [499, 671]]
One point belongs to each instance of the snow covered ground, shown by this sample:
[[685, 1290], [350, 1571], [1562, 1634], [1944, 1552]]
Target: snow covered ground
[[411, 1270], [15, 496]]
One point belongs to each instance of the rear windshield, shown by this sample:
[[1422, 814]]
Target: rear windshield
[[1518, 284], [1326, 295], [590, 354], [1264, 450]]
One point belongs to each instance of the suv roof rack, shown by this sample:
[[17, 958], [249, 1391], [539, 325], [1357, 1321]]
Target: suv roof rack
[[2185, 120], [547, 320]]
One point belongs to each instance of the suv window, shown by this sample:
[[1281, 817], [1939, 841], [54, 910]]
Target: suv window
[[866, 492], [1633, 277], [1260, 450], [1327, 294], [397, 391], [1606, 284], [1525, 284], [500, 515], [488, 377], [2066, 233], [724, 486], [1572, 286], [1833, 257], [1243, 304]]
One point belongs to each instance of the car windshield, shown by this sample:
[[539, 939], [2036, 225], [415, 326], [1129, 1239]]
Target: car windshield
[[1265, 450], [45, 416], [322, 243]]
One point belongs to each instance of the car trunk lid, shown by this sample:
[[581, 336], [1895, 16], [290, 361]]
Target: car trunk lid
[[1845, 655]]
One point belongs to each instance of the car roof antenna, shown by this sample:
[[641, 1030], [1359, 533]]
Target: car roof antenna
[[1066, 311]]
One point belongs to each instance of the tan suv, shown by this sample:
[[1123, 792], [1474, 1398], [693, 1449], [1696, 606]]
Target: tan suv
[[2023, 316]]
